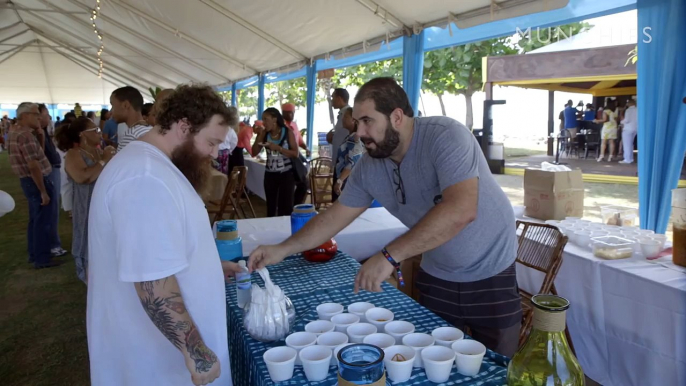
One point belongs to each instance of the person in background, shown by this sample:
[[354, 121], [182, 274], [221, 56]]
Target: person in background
[[288, 110], [84, 161], [226, 147], [156, 310], [630, 123], [336, 137], [78, 111], [29, 163], [127, 103], [148, 113], [4, 130], [55, 178], [589, 113], [570, 114], [431, 174], [349, 153], [159, 98], [104, 116], [609, 131], [91, 115], [245, 133], [279, 178]]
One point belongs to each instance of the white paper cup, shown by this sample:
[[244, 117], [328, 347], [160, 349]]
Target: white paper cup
[[418, 341], [398, 329], [380, 340], [319, 327], [399, 371], [358, 331], [446, 336], [326, 310], [359, 309], [468, 356], [379, 317], [280, 362], [330, 340], [300, 340], [337, 349], [438, 362], [316, 361], [343, 321]]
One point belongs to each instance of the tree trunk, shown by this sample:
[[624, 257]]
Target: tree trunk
[[440, 99], [470, 112]]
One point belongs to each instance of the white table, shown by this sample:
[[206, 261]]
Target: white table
[[627, 318], [255, 179], [367, 235]]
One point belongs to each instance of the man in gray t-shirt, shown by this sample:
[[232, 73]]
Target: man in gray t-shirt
[[431, 174]]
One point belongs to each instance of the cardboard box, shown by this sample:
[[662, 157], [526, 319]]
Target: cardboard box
[[553, 195]]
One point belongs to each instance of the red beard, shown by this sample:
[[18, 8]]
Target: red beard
[[192, 164]]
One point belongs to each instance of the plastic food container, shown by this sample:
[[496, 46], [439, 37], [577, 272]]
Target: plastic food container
[[619, 215], [612, 248]]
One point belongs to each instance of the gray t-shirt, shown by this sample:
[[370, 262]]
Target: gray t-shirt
[[443, 153], [340, 133]]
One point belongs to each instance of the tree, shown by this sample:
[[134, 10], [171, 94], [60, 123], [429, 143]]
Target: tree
[[287, 91], [246, 102], [457, 70]]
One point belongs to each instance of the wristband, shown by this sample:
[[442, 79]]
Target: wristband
[[396, 265]]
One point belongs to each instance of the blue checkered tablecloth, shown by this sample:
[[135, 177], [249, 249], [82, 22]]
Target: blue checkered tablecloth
[[310, 284]]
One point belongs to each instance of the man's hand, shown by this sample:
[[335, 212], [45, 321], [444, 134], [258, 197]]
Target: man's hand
[[337, 187], [202, 363], [108, 153], [44, 198], [230, 269], [372, 273], [265, 255]]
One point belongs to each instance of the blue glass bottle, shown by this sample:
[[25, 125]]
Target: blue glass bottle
[[361, 364], [229, 244]]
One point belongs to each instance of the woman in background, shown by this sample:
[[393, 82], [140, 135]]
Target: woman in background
[[84, 162], [279, 178], [609, 131]]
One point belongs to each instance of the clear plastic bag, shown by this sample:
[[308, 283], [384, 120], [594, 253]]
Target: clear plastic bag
[[270, 313]]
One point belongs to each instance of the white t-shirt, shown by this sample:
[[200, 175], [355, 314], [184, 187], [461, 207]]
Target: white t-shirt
[[147, 223], [230, 141], [132, 133]]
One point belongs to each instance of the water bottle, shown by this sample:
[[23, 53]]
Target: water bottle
[[229, 244], [243, 285]]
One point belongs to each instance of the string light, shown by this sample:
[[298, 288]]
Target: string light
[[94, 16]]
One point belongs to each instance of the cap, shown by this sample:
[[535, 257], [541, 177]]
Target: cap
[[241, 263]]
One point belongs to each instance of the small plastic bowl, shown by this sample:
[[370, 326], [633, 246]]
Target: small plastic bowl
[[649, 247]]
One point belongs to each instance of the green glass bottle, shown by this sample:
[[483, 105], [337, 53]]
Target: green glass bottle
[[545, 359]]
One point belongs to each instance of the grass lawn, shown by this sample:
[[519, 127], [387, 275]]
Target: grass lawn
[[43, 313], [514, 152]]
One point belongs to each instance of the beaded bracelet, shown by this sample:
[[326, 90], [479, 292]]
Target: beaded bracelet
[[396, 265]]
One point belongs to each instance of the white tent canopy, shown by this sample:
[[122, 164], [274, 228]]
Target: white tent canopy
[[48, 47]]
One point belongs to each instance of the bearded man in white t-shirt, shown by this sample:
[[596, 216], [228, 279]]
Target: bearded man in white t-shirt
[[156, 301]]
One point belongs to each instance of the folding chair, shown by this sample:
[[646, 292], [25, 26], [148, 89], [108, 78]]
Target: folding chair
[[228, 198], [241, 192], [540, 248], [321, 182]]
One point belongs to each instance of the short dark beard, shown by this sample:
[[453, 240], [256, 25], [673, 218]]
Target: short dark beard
[[192, 164], [385, 148]]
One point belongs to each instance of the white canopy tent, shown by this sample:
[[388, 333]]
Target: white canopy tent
[[48, 47]]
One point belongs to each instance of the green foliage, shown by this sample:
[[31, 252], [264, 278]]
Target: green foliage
[[633, 57], [288, 91], [226, 96], [247, 102], [540, 37], [359, 75], [154, 92]]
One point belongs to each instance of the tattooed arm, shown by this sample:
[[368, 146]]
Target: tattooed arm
[[162, 301]]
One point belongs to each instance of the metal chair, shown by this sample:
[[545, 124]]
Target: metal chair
[[241, 192], [592, 143], [540, 248], [321, 182]]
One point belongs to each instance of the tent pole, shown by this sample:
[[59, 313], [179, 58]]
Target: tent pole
[[413, 67], [13, 36], [16, 51], [260, 94], [311, 81], [85, 68], [551, 121], [234, 97]]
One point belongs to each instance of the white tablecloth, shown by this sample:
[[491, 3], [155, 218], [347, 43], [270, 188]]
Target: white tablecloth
[[255, 180], [627, 317], [367, 235]]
